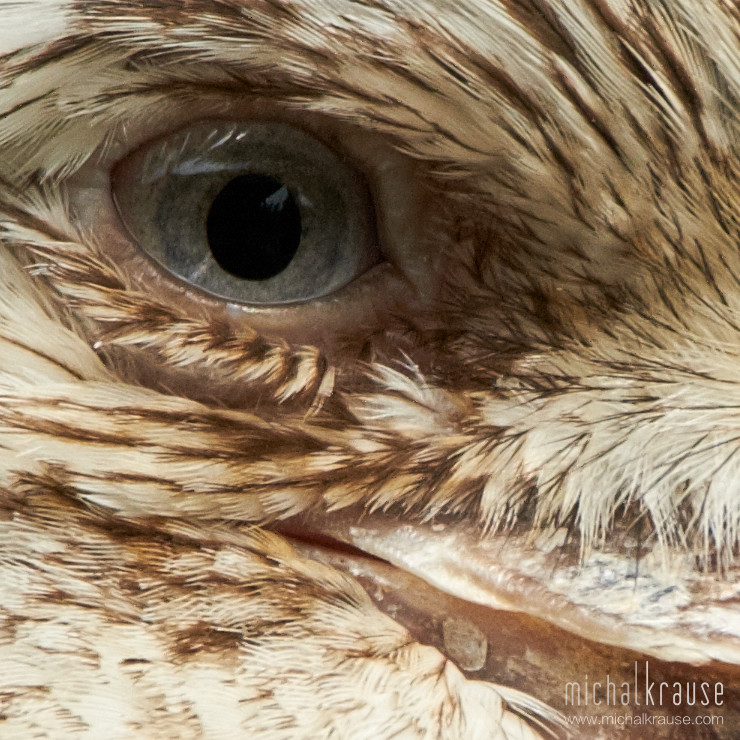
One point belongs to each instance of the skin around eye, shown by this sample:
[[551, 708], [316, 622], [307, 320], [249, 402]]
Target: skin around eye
[[396, 276], [255, 212]]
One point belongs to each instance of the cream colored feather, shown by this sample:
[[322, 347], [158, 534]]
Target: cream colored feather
[[569, 360]]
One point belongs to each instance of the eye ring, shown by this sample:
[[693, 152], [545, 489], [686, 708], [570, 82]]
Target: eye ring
[[407, 220], [197, 202]]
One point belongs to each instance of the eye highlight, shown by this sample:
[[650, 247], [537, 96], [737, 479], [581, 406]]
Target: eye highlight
[[255, 212]]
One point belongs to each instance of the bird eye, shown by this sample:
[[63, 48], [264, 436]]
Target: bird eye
[[256, 212]]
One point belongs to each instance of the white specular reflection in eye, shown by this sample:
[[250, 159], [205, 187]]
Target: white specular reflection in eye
[[256, 212]]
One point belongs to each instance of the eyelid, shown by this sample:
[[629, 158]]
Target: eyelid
[[163, 192], [395, 180], [398, 189]]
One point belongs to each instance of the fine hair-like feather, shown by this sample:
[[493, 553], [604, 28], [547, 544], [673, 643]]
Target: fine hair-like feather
[[573, 366]]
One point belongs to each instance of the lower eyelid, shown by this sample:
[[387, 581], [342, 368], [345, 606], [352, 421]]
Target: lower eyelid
[[336, 323], [392, 291]]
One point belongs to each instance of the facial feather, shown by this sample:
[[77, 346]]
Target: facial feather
[[577, 367], [596, 350]]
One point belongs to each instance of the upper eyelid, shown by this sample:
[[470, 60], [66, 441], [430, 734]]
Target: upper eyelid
[[396, 182], [109, 131]]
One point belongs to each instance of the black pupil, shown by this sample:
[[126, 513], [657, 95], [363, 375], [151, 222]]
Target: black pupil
[[254, 227]]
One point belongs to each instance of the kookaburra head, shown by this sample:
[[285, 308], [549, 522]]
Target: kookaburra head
[[445, 293]]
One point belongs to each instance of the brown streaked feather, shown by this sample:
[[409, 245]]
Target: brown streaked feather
[[571, 377]]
